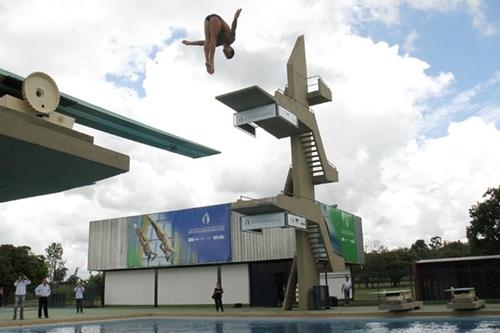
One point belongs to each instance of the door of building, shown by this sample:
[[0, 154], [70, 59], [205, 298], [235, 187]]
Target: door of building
[[268, 282]]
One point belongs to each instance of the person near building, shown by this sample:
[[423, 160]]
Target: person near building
[[1, 296], [79, 297], [20, 295], [43, 293], [217, 296], [346, 289]]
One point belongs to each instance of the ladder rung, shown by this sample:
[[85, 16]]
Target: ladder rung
[[307, 139]]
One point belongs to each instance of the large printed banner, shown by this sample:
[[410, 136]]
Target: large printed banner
[[346, 233], [184, 237]]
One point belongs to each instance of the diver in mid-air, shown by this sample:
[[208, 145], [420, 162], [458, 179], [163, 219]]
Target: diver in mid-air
[[217, 33]]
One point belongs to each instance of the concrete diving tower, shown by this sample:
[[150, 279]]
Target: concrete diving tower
[[287, 114], [40, 153], [283, 116]]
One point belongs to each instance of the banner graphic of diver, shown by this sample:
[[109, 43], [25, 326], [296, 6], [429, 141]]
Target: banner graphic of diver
[[183, 237]]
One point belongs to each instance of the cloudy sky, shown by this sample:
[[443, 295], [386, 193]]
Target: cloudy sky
[[414, 127]]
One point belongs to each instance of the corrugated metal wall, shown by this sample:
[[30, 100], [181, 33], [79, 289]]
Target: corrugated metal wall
[[271, 244], [108, 244]]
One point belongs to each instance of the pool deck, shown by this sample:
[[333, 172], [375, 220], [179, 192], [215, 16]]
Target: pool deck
[[68, 315]]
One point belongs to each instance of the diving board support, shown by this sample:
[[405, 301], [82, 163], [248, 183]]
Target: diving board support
[[291, 287]]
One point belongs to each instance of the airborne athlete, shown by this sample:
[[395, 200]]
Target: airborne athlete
[[217, 33]]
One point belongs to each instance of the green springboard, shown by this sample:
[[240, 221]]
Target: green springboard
[[106, 121]]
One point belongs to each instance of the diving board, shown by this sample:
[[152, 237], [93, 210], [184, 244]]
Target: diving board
[[41, 153], [104, 120]]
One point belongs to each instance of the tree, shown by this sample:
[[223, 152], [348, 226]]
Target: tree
[[55, 263], [484, 230], [384, 265], [95, 282], [95, 285], [16, 260], [436, 243], [453, 250], [73, 278], [398, 263], [419, 250]]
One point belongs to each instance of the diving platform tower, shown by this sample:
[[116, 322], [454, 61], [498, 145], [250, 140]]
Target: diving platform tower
[[288, 114]]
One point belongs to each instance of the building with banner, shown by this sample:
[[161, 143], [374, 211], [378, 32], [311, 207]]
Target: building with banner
[[176, 257]]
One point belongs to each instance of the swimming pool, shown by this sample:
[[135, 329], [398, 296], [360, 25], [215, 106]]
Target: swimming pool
[[170, 325]]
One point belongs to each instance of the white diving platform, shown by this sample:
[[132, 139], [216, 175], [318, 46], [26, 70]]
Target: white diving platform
[[256, 108], [464, 299], [398, 300]]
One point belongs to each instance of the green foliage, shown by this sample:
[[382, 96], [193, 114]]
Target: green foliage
[[384, 265], [73, 279], [95, 282], [16, 260], [453, 250], [438, 248], [55, 263], [484, 230], [419, 250], [436, 243]]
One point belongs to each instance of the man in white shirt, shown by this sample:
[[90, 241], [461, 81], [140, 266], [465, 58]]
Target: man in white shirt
[[79, 297], [20, 296], [43, 293], [346, 289]]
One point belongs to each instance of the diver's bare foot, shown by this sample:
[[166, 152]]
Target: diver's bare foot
[[210, 68]]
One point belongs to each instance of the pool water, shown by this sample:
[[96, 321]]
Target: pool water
[[161, 325]]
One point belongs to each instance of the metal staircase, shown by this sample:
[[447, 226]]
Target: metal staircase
[[318, 247], [321, 170]]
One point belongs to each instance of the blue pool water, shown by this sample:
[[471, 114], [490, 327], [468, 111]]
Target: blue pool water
[[159, 325]]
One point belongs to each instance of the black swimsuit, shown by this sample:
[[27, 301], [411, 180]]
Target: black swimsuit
[[220, 37], [212, 15]]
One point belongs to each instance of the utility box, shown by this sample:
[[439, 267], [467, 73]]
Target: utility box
[[321, 299]]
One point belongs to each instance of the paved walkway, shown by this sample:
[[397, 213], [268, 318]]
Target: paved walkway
[[62, 315]]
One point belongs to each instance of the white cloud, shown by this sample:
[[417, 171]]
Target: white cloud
[[389, 11], [409, 43], [426, 189], [463, 104], [372, 131]]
